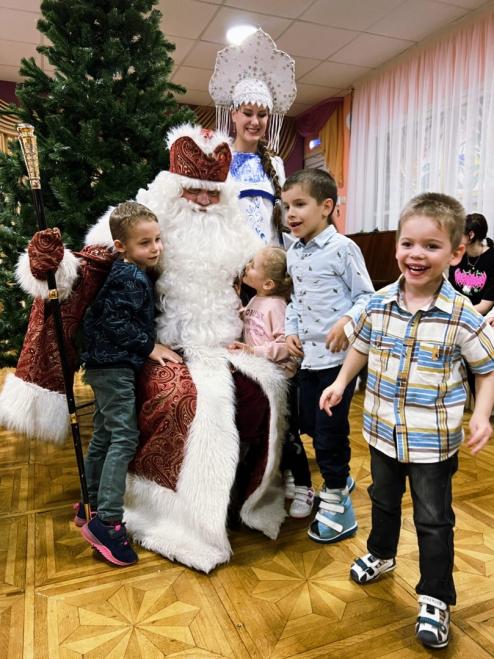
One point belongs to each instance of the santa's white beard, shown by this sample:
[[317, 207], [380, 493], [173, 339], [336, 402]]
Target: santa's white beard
[[203, 254]]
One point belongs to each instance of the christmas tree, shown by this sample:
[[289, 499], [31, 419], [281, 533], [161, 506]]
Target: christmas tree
[[100, 123]]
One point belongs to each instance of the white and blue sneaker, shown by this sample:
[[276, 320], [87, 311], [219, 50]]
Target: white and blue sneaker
[[368, 567], [335, 519], [350, 483], [432, 627]]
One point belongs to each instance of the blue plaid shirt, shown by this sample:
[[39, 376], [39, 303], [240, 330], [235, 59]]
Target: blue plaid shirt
[[416, 384]]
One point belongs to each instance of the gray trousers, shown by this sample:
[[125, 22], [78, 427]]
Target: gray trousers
[[114, 441]]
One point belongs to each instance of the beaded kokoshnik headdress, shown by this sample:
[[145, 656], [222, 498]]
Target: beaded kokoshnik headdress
[[254, 72]]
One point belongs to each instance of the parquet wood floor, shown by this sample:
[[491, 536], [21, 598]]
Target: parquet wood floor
[[284, 599]]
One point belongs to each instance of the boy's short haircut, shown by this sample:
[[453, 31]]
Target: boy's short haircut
[[125, 216], [318, 183], [445, 210]]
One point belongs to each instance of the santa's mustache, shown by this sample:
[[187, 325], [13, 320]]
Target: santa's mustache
[[183, 212]]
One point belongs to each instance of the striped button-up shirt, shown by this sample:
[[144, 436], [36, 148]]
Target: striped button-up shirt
[[416, 386], [330, 280]]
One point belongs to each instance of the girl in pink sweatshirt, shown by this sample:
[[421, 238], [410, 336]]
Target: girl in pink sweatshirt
[[264, 336]]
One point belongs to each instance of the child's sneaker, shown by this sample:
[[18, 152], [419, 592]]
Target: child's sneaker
[[350, 483], [80, 514], [302, 502], [335, 519], [110, 540], [289, 483], [368, 567], [432, 627]]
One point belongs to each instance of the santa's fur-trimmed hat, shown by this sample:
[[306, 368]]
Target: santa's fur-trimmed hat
[[199, 157]]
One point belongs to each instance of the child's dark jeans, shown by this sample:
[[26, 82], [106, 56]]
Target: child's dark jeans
[[330, 434], [430, 487], [293, 456]]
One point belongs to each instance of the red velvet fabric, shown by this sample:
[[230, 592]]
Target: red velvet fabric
[[310, 122], [252, 418]]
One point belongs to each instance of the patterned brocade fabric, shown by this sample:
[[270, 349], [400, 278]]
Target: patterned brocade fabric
[[167, 405], [188, 159], [39, 362], [167, 400], [45, 252]]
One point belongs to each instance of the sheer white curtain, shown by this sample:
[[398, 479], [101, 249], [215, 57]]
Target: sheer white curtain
[[426, 125]]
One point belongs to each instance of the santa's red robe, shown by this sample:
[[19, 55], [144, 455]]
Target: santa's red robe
[[33, 398], [195, 420]]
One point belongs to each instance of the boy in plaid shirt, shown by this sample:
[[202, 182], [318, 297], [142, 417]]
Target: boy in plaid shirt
[[415, 336]]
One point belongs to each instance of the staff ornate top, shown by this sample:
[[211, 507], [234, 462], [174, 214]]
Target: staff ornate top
[[27, 140]]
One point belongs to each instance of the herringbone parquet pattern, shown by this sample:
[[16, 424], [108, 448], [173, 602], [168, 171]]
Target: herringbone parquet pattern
[[284, 599]]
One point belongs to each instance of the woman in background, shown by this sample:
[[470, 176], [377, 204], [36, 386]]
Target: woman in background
[[253, 86], [474, 275], [258, 170]]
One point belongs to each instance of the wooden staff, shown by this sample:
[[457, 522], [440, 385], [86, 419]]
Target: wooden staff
[[29, 148]]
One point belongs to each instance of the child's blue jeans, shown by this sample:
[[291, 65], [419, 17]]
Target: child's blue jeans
[[114, 441], [433, 516]]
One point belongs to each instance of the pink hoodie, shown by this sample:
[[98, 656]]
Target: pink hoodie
[[264, 329]]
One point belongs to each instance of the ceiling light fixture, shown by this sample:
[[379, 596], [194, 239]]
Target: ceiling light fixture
[[235, 35]]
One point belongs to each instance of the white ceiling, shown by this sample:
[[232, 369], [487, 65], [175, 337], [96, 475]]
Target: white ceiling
[[333, 42]]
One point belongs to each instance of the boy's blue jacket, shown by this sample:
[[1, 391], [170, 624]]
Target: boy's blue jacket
[[119, 325]]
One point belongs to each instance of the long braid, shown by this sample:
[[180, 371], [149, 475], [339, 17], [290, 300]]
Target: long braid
[[266, 155]]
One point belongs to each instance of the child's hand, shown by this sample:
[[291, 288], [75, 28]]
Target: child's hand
[[481, 430], [243, 347], [163, 353], [330, 397], [294, 345], [336, 340]]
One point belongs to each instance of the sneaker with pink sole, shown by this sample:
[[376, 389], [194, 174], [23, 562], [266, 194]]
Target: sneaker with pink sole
[[110, 540], [80, 514]]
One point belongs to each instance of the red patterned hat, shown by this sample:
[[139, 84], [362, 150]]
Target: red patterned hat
[[198, 156]]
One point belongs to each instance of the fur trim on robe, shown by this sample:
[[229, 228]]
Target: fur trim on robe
[[65, 276], [189, 524], [99, 233], [35, 411]]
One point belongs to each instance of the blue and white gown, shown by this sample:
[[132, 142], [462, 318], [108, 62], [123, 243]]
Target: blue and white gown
[[257, 192]]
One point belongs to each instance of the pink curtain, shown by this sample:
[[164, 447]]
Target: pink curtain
[[426, 125]]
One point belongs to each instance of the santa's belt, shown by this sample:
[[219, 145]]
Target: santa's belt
[[253, 192]]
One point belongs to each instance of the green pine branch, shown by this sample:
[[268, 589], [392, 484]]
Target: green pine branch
[[100, 119]]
